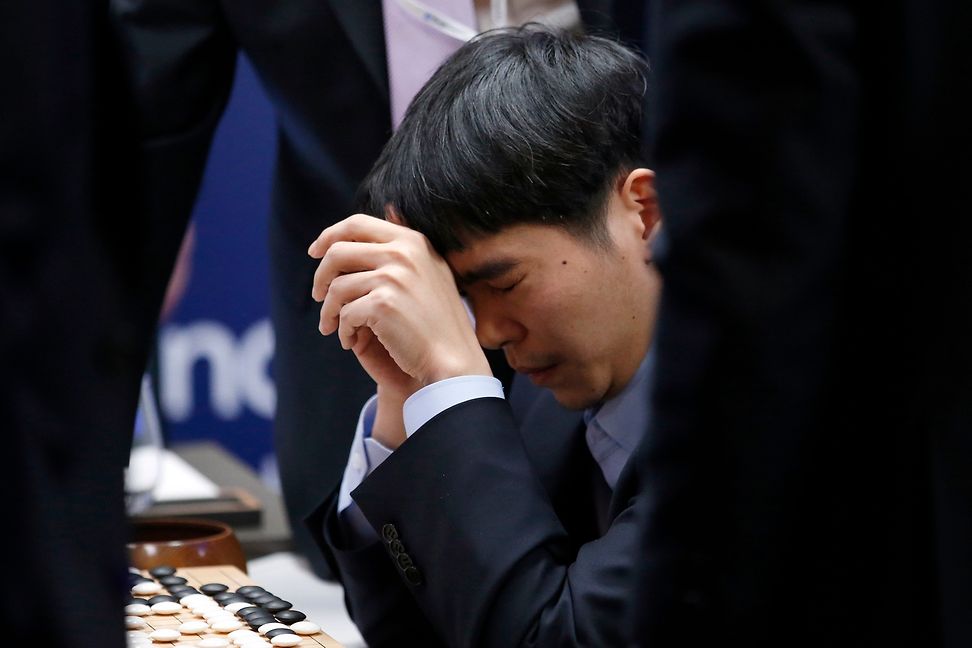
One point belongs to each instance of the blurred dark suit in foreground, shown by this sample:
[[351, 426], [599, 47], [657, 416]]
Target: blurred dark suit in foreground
[[809, 455], [81, 281]]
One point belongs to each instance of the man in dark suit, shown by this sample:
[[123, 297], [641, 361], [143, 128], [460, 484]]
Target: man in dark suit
[[491, 522], [323, 65], [81, 283], [810, 447]]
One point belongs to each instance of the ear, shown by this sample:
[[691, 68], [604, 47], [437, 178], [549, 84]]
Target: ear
[[637, 193]]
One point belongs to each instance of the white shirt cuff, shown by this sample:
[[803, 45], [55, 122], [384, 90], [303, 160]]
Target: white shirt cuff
[[366, 454], [436, 398], [357, 467]]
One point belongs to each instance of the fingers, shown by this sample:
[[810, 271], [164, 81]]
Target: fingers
[[345, 257], [359, 227], [344, 290], [357, 314]]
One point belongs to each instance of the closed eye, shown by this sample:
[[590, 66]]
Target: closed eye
[[508, 287]]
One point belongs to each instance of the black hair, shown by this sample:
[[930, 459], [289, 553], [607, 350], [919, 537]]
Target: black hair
[[520, 125]]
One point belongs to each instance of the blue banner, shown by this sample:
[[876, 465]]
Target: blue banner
[[214, 360]]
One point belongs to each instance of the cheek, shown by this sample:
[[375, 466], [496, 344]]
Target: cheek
[[564, 319]]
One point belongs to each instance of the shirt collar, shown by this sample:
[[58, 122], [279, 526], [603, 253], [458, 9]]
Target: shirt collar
[[624, 417]]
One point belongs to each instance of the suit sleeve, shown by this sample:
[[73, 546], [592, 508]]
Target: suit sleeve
[[473, 536], [375, 597], [181, 60]]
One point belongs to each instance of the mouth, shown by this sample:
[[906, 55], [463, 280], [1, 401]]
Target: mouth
[[538, 375]]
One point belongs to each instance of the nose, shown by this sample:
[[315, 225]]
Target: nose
[[495, 328]]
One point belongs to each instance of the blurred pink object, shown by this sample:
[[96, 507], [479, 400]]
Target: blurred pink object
[[180, 274]]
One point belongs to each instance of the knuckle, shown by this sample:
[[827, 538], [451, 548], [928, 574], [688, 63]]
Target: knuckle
[[392, 274], [383, 299], [337, 249]]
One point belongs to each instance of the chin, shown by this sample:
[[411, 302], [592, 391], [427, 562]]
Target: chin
[[577, 398]]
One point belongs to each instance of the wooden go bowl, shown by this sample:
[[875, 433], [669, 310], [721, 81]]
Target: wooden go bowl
[[183, 542]]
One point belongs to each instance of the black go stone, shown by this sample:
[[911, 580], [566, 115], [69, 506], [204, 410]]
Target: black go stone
[[162, 570], [246, 589], [290, 616], [136, 600], [226, 596], [278, 605], [229, 600], [253, 595], [263, 599], [279, 631], [262, 622], [247, 611], [182, 590], [256, 621], [213, 588], [172, 580], [135, 579], [162, 598]]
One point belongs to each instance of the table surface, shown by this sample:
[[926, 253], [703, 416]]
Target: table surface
[[235, 579], [273, 533]]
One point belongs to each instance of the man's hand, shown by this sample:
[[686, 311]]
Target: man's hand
[[394, 302]]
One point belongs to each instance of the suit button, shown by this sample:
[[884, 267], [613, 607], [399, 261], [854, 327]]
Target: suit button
[[396, 547], [389, 532], [413, 575], [404, 561]]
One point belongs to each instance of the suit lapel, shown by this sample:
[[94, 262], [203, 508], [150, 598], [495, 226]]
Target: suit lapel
[[554, 441], [363, 22]]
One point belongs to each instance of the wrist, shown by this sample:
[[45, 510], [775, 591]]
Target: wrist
[[388, 428], [472, 366]]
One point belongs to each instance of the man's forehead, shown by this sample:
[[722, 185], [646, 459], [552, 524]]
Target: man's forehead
[[490, 256], [486, 256]]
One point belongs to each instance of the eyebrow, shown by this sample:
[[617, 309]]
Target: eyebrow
[[487, 271]]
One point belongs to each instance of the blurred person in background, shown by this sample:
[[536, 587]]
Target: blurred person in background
[[810, 453], [81, 285]]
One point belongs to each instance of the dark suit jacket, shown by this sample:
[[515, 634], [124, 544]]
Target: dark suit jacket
[[322, 63], [79, 295], [810, 457], [498, 524]]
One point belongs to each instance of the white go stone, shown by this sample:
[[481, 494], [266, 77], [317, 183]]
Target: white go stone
[[305, 628], [193, 627], [146, 587], [136, 634], [212, 642], [202, 611], [239, 635], [191, 599], [225, 625], [286, 640], [137, 609], [167, 607], [134, 622], [217, 613], [165, 634], [267, 627], [236, 607]]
